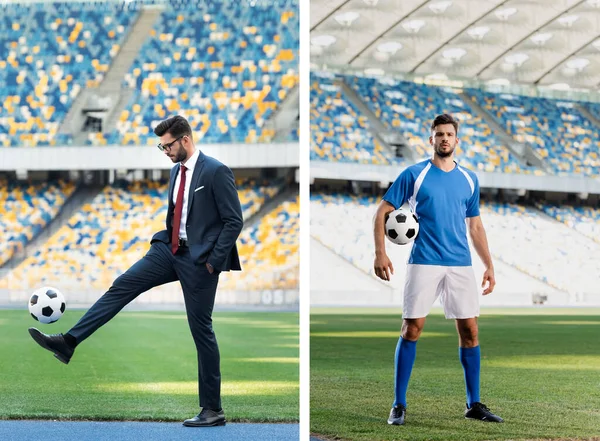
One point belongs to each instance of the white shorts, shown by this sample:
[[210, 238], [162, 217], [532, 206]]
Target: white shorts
[[454, 285]]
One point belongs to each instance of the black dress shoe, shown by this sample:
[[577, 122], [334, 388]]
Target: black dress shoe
[[207, 418], [54, 343], [479, 411]]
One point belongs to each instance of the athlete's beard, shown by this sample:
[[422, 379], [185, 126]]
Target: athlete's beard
[[443, 154]]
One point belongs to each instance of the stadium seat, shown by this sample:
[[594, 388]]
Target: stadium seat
[[410, 108], [585, 220], [105, 237], [294, 135], [547, 250], [269, 252], [521, 237], [227, 83], [354, 242], [25, 209], [51, 51], [225, 69], [556, 129], [338, 131], [253, 194]]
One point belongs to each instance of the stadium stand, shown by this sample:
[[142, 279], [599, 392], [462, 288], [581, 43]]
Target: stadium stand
[[409, 108], [521, 237], [226, 82], [338, 131], [354, 241], [529, 129], [52, 52], [269, 252], [593, 108], [585, 220], [557, 130], [25, 209], [99, 241], [293, 135], [547, 250], [226, 67], [107, 236], [253, 194]]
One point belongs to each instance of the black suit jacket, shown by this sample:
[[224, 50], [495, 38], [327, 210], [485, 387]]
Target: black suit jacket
[[214, 215]]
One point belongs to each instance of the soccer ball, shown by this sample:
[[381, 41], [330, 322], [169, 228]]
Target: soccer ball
[[47, 304], [401, 226]]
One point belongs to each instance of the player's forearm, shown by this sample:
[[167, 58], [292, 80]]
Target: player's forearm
[[480, 244], [379, 227]]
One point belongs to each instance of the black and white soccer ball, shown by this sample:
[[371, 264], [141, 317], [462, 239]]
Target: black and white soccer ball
[[401, 226], [47, 304]]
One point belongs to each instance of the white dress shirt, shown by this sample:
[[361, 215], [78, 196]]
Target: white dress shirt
[[190, 163]]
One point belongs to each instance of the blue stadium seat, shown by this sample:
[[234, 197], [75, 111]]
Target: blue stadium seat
[[338, 131], [585, 220], [226, 69], [196, 62], [269, 252], [106, 236], [25, 209], [410, 108], [557, 254], [556, 129], [50, 52]]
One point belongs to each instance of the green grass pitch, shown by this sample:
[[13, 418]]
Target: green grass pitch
[[142, 366], [540, 371]]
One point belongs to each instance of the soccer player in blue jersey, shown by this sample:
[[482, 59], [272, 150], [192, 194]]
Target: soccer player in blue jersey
[[445, 198]]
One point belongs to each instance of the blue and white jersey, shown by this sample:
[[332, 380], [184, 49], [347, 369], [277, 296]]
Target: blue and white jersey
[[442, 201]]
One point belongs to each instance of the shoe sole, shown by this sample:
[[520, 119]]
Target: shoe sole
[[40, 341], [391, 423], [485, 421], [215, 424]]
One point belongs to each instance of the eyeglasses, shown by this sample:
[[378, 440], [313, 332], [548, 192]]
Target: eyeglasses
[[163, 147]]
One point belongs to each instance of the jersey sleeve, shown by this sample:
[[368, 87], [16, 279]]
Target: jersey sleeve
[[473, 203], [401, 190]]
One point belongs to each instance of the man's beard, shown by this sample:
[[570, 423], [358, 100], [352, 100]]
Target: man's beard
[[443, 154], [180, 156]]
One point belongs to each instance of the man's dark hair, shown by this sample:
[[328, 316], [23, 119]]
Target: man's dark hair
[[444, 119], [176, 126]]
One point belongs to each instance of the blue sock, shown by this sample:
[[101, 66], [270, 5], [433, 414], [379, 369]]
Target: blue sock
[[471, 361], [406, 353]]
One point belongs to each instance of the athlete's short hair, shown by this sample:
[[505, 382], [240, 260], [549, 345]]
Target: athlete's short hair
[[444, 119], [177, 126]]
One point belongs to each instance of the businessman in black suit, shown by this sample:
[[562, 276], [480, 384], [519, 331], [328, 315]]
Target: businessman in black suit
[[203, 223]]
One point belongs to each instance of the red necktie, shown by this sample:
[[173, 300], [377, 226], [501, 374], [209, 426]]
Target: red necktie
[[177, 214]]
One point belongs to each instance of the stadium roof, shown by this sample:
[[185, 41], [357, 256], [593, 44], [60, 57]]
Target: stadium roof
[[545, 42]]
